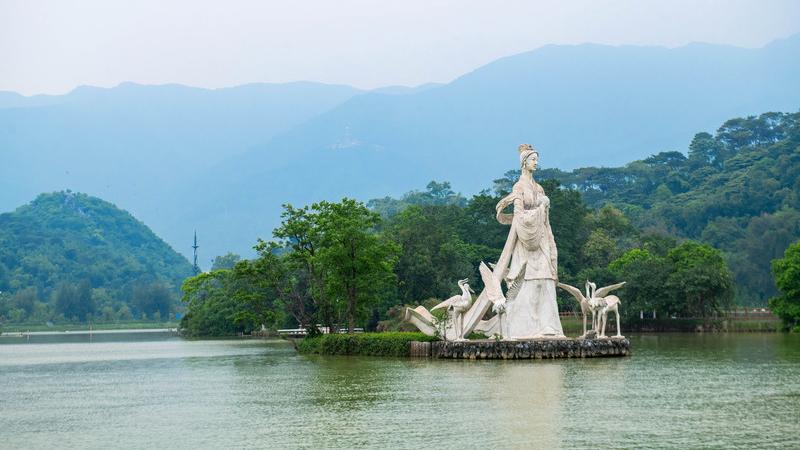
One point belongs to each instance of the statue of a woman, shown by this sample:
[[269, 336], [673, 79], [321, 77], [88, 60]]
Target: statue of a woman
[[531, 310]]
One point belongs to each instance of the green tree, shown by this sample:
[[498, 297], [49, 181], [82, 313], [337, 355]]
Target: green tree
[[358, 262], [226, 261], [151, 297], [337, 249], [25, 300], [433, 256], [210, 309], [290, 284], [74, 301], [787, 276], [299, 232], [700, 282], [646, 277]]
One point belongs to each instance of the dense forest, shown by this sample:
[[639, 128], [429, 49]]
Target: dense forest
[[693, 236], [71, 257], [737, 190]]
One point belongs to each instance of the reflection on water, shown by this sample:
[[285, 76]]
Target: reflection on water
[[675, 391]]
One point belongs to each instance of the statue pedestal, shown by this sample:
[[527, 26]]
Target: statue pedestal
[[531, 349]]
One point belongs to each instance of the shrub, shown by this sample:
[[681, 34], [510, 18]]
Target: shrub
[[367, 344]]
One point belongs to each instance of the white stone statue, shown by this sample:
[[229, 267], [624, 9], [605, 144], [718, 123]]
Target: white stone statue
[[598, 303], [530, 254], [608, 303], [586, 307], [456, 306], [528, 265]]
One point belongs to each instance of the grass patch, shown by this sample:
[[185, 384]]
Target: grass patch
[[366, 344], [754, 325]]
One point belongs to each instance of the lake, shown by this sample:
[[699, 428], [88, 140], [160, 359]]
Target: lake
[[149, 390]]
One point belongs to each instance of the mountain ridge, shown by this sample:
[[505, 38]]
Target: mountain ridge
[[581, 105]]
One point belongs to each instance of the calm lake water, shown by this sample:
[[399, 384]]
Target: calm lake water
[[151, 391]]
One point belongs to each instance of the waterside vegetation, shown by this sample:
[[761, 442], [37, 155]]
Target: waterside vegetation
[[693, 235], [662, 224], [365, 344]]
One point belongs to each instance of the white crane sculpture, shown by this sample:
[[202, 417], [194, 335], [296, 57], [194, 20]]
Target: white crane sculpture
[[598, 303], [607, 304], [456, 306], [584, 302]]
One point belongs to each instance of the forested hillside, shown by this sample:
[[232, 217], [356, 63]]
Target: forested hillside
[[738, 190], [692, 235], [68, 256]]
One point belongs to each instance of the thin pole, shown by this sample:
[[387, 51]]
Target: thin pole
[[195, 247]]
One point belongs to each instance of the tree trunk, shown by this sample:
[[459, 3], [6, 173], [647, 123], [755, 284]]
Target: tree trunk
[[351, 309], [351, 293]]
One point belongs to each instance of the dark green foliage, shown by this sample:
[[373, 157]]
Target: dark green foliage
[[226, 261], [433, 255], [357, 262], [366, 344], [226, 302], [151, 299], [347, 266], [337, 270], [739, 190], [787, 277], [75, 255], [210, 309], [699, 282], [74, 302], [691, 280], [435, 194], [645, 274]]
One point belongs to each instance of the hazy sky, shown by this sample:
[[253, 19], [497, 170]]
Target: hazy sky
[[53, 46]]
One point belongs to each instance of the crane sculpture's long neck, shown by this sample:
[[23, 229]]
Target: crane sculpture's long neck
[[465, 290]]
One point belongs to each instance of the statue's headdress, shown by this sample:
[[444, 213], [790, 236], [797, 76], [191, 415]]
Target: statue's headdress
[[526, 150]]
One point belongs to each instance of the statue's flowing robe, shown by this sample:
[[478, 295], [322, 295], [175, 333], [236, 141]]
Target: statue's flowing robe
[[533, 312]]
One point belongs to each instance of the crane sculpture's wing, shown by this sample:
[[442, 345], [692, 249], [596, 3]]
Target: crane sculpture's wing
[[575, 292], [603, 291], [491, 285], [446, 303], [516, 285]]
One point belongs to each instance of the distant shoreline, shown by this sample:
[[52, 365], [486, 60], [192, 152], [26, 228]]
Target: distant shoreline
[[17, 334], [85, 328]]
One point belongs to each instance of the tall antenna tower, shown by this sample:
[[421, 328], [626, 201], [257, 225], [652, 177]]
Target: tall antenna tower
[[194, 247]]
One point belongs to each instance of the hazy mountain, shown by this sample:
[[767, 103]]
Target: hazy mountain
[[132, 143], [580, 105], [223, 161], [403, 90]]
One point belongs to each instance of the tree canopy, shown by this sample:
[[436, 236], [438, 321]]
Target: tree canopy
[[787, 277], [329, 265], [738, 190]]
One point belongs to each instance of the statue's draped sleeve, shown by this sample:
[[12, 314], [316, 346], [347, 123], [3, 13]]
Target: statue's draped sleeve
[[505, 218], [501, 269], [552, 244]]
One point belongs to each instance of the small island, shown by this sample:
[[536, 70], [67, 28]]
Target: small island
[[524, 323]]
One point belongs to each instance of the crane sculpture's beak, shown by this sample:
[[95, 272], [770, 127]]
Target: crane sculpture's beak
[[470, 289]]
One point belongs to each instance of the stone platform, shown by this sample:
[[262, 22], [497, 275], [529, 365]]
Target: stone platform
[[533, 349]]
